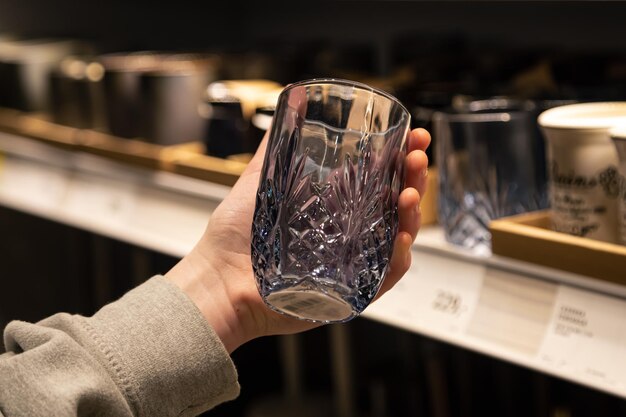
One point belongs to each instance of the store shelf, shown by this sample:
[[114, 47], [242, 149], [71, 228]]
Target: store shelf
[[559, 323], [161, 211]]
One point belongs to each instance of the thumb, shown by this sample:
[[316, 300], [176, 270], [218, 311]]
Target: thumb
[[256, 163]]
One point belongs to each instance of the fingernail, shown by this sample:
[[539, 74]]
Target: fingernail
[[418, 206], [425, 172], [418, 209]]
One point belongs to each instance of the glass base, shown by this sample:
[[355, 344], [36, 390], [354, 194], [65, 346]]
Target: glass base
[[310, 305]]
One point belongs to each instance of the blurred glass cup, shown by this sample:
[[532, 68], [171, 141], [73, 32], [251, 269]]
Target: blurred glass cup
[[326, 212], [488, 165], [618, 135], [582, 168]]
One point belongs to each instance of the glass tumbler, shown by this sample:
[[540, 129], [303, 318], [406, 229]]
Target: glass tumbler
[[326, 207], [490, 165]]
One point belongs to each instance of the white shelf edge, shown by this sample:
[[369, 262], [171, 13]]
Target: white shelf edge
[[431, 239], [489, 350], [103, 228], [76, 166]]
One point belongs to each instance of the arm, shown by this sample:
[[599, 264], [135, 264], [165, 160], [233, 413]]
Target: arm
[[163, 348], [151, 353]]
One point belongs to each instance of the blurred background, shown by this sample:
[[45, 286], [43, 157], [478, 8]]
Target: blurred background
[[69, 62]]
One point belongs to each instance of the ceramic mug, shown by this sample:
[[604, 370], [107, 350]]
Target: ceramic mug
[[618, 135], [582, 168]]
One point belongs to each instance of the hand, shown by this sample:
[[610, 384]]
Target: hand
[[217, 274]]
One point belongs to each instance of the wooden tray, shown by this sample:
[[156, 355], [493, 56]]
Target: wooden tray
[[9, 120], [204, 167], [186, 159], [36, 126], [527, 237], [131, 151]]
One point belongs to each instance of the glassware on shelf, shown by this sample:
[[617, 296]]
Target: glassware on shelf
[[490, 165]]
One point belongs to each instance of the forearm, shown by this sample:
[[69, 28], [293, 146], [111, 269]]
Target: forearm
[[150, 353]]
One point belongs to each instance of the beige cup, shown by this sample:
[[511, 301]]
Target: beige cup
[[582, 164], [618, 135]]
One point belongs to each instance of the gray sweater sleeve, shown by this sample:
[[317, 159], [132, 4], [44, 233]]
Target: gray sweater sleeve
[[151, 353]]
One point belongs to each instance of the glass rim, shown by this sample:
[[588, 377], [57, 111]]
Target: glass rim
[[350, 83], [501, 116]]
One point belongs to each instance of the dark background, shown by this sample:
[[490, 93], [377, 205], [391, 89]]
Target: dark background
[[183, 24], [46, 267]]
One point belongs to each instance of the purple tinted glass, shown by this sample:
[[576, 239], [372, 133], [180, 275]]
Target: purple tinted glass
[[326, 207]]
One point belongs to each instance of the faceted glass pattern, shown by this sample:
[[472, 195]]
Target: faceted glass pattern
[[326, 207], [490, 165]]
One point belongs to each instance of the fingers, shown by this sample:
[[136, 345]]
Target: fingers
[[244, 190], [416, 177], [409, 215], [256, 163], [399, 263], [416, 174], [419, 139], [408, 212], [416, 162]]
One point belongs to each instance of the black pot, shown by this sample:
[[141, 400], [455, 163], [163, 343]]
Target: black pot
[[170, 96], [155, 96], [122, 90], [226, 128], [76, 93], [25, 68]]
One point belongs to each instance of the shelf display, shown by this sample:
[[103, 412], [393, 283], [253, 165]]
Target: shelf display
[[449, 294]]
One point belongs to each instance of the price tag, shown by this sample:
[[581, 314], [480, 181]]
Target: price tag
[[587, 337], [438, 293], [102, 199], [513, 311], [43, 186]]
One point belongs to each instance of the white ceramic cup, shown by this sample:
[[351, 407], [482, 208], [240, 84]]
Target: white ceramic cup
[[582, 165], [618, 135]]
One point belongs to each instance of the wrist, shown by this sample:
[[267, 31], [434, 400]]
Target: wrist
[[221, 304]]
